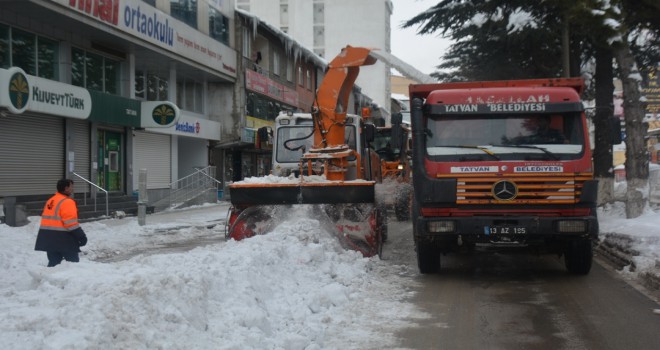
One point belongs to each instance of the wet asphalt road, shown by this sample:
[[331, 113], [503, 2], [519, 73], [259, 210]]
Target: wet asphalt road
[[490, 300]]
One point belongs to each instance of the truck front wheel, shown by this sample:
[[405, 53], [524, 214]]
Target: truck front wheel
[[428, 257], [578, 256]]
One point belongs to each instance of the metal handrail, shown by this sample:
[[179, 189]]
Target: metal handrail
[[184, 187], [197, 172], [93, 184]]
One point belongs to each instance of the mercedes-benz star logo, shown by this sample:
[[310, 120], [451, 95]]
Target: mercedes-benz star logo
[[505, 190]]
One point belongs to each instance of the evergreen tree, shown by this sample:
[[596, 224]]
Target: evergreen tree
[[500, 39]]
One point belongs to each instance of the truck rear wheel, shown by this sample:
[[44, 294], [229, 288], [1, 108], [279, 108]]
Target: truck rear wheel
[[578, 256], [428, 258]]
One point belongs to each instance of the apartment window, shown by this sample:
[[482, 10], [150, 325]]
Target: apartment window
[[189, 95], [94, 72], [319, 12], [301, 78], [284, 14], [247, 44], [243, 5], [34, 54], [319, 36], [308, 80], [185, 11], [151, 87], [276, 63], [218, 26], [289, 70]]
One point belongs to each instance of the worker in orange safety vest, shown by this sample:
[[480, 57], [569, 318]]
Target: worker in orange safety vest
[[60, 234]]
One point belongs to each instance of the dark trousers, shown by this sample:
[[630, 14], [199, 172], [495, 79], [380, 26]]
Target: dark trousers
[[55, 258]]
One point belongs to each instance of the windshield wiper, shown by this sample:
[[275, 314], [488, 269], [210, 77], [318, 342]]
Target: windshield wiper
[[544, 150], [484, 149]]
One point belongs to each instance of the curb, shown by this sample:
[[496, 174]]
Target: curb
[[615, 249]]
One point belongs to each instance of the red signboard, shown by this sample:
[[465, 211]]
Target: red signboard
[[265, 86]]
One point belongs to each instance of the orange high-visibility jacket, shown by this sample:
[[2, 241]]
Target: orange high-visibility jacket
[[60, 214]]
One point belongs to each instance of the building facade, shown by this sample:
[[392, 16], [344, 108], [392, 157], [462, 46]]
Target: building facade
[[116, 59], [327, 26], [277, 74], [96, 90]]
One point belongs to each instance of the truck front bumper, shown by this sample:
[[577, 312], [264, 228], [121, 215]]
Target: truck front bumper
[[498, 229]]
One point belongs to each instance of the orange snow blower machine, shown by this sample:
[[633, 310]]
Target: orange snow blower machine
[[336, 175]]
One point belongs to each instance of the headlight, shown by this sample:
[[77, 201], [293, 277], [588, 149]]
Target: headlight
[[572, 226], [440, 226]]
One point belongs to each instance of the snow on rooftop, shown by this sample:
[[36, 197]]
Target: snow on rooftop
[[293, 47]]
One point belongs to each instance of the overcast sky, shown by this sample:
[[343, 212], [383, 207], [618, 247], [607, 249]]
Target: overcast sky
[[423, 52]]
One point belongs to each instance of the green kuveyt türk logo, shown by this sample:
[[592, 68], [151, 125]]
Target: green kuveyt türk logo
[[163, 114], [19, 90]]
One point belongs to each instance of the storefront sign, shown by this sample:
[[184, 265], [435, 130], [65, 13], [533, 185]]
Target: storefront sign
[[159, 114], [192, 127], [22, 92], [256, 123], [113, 109], [154, 26], [265, 86]]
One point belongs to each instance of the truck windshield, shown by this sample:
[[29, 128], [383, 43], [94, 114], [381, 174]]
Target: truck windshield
[[509, 137], [283, 155]]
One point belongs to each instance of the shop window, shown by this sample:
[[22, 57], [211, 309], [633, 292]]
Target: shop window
[[94, 72], [5, 53], [189, 95], [47, 58], [151, 87], [34, 54], [261, 107], [150, 2], [185, 11], [23, 50], [218, 26]]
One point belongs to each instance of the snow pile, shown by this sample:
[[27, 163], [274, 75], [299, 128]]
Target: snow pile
[[293, 288], [642, 234]]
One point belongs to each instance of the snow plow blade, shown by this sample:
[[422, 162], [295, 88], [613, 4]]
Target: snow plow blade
[[349, 207], [302, 193]]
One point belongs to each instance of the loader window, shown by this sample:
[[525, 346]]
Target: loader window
[[284, 155], [510, 137]]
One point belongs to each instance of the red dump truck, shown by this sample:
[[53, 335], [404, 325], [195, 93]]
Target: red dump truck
[[502, 164]]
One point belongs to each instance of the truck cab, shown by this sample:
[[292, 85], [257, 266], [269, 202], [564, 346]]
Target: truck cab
[[502, 164]]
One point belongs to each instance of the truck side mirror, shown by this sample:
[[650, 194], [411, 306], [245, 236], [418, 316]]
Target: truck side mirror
[[369, 131], [615, 131]]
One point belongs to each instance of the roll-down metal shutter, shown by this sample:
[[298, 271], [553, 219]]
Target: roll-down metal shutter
[[31, 154], [80, 144], [152, 152]]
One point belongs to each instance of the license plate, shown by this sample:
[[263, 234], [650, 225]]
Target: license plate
[[505, 230]]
